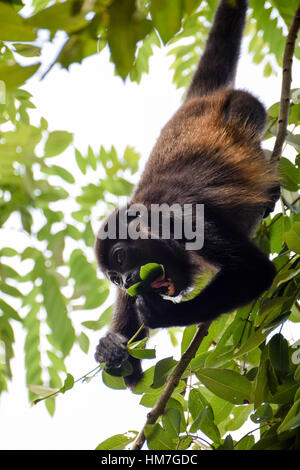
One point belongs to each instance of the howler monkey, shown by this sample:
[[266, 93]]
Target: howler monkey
[[208, 153]]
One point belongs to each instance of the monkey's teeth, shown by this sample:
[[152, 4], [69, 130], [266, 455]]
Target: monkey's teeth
[[171, 288], [166, 283]]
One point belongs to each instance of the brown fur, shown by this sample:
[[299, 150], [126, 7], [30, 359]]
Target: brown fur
[[201, 157]]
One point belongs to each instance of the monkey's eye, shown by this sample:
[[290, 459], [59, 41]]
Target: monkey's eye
[[115, 279], [119, 256]]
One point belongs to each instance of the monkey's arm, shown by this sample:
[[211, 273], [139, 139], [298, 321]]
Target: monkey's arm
[[112, 347], [217, 67], [244, 275]]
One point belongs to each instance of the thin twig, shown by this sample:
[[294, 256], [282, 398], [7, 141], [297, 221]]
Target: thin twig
[[283, 117], [172, 383], [135, 334]]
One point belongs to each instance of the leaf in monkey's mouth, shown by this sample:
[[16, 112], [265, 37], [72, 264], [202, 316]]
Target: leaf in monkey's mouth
[[152, 277]]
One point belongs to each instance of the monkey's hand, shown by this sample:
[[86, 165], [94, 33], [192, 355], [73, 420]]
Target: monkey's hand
[[154, 311], [112, 350]]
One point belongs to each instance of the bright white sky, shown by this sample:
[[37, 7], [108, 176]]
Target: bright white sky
[[99, 109]]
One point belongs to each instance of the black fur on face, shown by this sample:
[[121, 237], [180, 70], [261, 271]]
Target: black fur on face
[[121, 259]]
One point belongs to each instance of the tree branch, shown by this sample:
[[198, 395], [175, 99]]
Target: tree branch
[[283, 117], [172, 382]]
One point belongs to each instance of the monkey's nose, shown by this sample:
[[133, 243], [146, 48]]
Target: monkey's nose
[[129, 280]]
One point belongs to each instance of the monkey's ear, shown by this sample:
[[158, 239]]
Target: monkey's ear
[[245, 111]]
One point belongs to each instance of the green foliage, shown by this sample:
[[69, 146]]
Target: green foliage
[[245, 368], [53, 275]]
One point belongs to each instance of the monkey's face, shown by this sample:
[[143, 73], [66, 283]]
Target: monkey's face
[[121, 260]]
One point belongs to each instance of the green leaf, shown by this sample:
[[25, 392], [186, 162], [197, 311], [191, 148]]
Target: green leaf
[[84, 342], [57, 362], [79, 46], [237, 417], [286, 9], [136, 289], [188, 334], [263, 413], [297, 371], [123, 370], [124, 31], [41, 390], [227, 444], [290, 175], [117, 442], [285, 392], [27, 50], [205, 423], [81, 162], [88, 234], [196, 403], [13, 27], [268, 70], [222, 410], [245, 443], [191, 5], [271, 310], [261, 381], [15, 76], [63, 173], [279, 354], [32, 346], [9, 311], [148, 273], [158, 438], [8, 252], [171, 421], [292, 238], [226, 384], [132, 159], [175, 404], [68, 383], [292, 419], [57, 318], [10, 290], [162, 369], [57, 142], [145, 382], [152, 272], [150, 398], [61, 16], [114, 382], [283, 277], [166, 16], [137, 350], [50, 405], [91, 159], [276, 234], [140, 66]]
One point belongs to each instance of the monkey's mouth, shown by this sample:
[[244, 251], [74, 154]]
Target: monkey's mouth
[[165, 286]]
